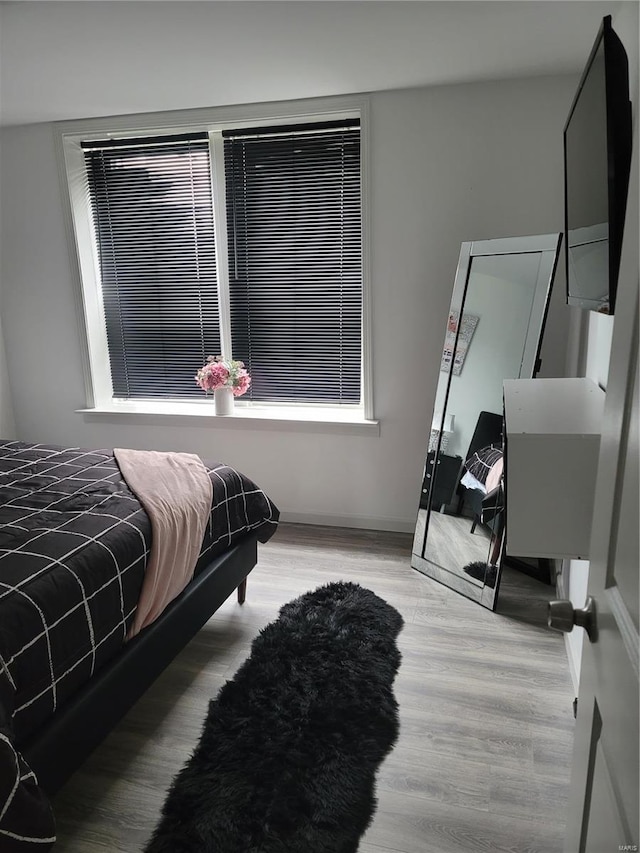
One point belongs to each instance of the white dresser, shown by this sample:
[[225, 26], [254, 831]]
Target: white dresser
[[552, 441]]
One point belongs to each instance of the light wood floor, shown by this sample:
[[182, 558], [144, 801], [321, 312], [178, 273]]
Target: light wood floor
[[451, 544], [483, 759]]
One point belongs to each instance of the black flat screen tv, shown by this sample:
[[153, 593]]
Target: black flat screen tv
[[597, 158]]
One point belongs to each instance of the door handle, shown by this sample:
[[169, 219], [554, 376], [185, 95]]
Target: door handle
[[562, 616]]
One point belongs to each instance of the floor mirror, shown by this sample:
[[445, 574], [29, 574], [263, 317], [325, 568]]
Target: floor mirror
[[494, 332]]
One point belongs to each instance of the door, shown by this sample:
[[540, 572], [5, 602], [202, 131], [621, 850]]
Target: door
[[603, 806]]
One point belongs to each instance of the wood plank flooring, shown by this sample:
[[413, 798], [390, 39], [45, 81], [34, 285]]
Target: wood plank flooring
[[452, 545], [483, 759]]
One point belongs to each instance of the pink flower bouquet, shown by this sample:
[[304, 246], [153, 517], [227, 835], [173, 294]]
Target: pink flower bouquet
[[220, 373]]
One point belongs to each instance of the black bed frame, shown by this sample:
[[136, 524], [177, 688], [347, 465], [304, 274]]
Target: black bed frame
[[64, 742]]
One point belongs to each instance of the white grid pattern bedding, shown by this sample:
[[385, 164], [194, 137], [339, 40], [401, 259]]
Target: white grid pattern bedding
[[74, 543]]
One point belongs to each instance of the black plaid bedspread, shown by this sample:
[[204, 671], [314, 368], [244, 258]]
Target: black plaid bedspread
[[482, 461], [74, 543]]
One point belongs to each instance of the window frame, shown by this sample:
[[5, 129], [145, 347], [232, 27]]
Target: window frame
[[95, 360]]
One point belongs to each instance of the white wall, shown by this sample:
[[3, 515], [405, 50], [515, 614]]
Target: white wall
[[591, 333], [7, 426], [448, 164], [500, 294]]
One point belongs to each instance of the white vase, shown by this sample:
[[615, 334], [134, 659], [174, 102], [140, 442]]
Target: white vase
[[223, 400]]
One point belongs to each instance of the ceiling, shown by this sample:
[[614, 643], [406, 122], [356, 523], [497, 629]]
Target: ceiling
[[61, 60]]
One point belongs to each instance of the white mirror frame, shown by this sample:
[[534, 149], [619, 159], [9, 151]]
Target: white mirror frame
[[548, 246]]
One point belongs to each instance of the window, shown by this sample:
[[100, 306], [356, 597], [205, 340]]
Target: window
[[152, 212], [295, 269], [243, 240]]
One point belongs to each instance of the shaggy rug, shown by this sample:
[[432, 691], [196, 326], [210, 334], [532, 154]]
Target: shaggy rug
[[482, 572], [290, 747]]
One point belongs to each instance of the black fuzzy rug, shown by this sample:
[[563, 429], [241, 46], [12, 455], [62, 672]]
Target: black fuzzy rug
[[291, 745]]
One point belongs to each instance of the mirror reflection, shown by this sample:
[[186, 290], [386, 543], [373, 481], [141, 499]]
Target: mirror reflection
[[493, 333]]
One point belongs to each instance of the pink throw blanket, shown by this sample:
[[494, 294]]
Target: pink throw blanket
[[176, 492]]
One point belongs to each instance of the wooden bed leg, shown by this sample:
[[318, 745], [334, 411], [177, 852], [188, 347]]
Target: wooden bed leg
[[242, 591]]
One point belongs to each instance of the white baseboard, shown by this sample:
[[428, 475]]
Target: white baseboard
[[360, 522], [562, 590], [573, 664]]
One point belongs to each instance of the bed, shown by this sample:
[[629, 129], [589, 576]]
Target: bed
[[75, 544], [482, 468]]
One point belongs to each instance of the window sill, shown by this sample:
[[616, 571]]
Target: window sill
[[254, 416]]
